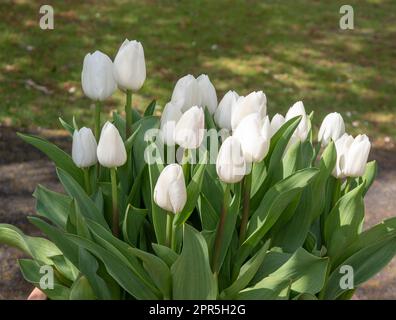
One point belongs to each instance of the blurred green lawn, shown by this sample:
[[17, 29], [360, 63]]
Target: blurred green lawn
[[290, 49]]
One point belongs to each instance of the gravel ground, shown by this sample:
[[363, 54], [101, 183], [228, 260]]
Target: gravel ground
[[22, 168]]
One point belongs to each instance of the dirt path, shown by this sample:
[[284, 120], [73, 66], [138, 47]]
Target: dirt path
[[22, 168]]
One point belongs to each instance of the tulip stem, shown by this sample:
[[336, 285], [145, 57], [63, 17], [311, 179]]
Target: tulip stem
[[337, 191], [97, 120], [115, 225], [186, 165], [220, 230], [169, 229], [247, 185], [87, 181], [128, 114]]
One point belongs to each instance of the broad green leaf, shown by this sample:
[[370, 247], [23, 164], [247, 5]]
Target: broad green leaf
[[31, 272], [67, 126], [150, 109], [193, 268], [38, 248], [270, 288], [132, 224], [81, 290], [61, 159], [209, 216], [168, 255], [65, 267], [369, 175]]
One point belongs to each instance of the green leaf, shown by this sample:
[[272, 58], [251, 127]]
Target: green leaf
[[81, 290], [193, 191], [168, 255], [133, 222], [38, 248], [65, 267], [272, 205], [270, 288], [31, 272], [247, 272], [61, 159], [209, 216], [67, 126], [150, 109], [193, 268], [369, 175], [85, 203], [130, 141], [344, 222]]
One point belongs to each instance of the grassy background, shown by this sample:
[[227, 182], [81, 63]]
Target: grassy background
[[290, 49]]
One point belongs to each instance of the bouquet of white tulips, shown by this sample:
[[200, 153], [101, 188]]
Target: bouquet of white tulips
[[210, 201]]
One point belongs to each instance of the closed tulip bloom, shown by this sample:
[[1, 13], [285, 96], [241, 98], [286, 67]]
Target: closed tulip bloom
[[97, 76], [356, 158], [331, 128], [304, 126], [130, 66], [189, 131], [170, 190], [276, 123], [223, 113], [111, 149], [187, 92], [84, 148], [230, 163], [342, 146], [208, 93], [254, 136], [170, 116], [255, 102]]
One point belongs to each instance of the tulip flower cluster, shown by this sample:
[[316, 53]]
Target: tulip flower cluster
[[212, 200]]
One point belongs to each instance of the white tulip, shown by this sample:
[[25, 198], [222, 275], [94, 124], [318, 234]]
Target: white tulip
[[254, 136], [255, 102], [352, 155], [304, 126], [130, 66], [189, 131], [170, 190], [111, 149], [170, 116], [331, 128], [356, 159], [276, 123], [84, 148], [223, 113], [208, 93], [187, 92], [97, 76], [230, 163]]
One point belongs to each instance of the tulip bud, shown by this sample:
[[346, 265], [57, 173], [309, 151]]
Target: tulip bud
[[208, 93], [304, 126], [230, 163], [356, 159], [276, 123], [332, 128], [170, 116], [130, 66], [189, 131], [224, 111], [254, 136], [255, 102], [170, 190], [97, 76], [111, 149], [84, 148], [352, 155], [187, 92]]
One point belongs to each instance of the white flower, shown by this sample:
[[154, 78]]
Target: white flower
[[224, 110], [255, 102], [170, 190], [276, 123], [304, 126], [170, 116], [187, 92], [254, 136], [230, 163], [332, 128], [189, 131], [208, 93], [352, 155], [111, 149], [84, 148], [130, 66], [97, 76]]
